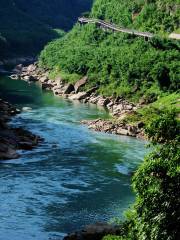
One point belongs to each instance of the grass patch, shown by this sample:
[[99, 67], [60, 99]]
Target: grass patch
[[67, 77], [147, 113]]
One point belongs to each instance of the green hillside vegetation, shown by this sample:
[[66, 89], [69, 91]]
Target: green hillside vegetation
[[121, 64], [147, 15], [166, 102], [26, 27], [155, 214]]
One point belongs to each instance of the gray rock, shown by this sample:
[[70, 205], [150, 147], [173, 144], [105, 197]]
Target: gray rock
[[110, 105], [80, 83], [122, 131], [59, 81], [32, 79], [103, 101], [7, 152], [132, 130], [68, 89], [128, 107], [92, 90], [26, 78], [94, 99], [14, 76], [18, 68], [43, 79], [46, 86], [78, 96], [31, 68], [26, 109], [12, 139], [57, 92]]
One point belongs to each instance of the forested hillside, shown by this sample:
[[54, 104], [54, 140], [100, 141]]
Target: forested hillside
[[119, 63], [25, 27], [146, 15]]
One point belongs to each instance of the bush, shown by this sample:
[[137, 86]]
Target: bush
[[164, 128], [156, 212], [157, 183]]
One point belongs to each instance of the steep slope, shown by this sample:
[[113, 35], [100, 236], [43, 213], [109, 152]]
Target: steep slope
[[122, 64], [25, 28]]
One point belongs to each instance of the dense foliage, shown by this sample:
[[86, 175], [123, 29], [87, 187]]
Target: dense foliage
[[121, 64], [146, 15], [27, 27], [156, 213], [157, 183]]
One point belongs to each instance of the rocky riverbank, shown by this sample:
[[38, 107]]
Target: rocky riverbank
[[119, 108], [13, 139], [95, 232], [114, 127]]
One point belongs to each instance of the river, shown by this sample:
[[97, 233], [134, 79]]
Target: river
[[75, 177]]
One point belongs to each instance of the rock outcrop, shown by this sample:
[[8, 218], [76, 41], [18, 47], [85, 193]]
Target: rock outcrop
[[109, 126], [13, 139], [80, 83], [78, 96], [94, 232]]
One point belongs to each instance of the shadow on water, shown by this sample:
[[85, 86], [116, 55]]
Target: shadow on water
[[75, 177]]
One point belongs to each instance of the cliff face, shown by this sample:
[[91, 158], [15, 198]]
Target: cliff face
[[32, 24]]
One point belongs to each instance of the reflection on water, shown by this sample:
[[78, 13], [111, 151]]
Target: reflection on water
[[74, 178]]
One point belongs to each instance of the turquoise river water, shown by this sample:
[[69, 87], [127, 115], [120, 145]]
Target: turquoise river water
[[75, 177]]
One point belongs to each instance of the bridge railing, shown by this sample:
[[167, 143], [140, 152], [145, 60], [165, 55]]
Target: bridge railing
[[114, 27]]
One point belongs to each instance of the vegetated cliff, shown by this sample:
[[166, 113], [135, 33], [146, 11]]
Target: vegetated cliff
[[119, 63], [25, 27]]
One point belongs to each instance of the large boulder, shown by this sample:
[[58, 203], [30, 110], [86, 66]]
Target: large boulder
[[103, 101], [78, 96], [57, 91], [7, 152], [12, 139], [80, 83], [14, 76], [43, 79], [26, 109], [31, 68], [18, 68], [29, 78], [117, 109], [68, 89], [47, 86], [122, 131], [92, 90], [59, 81]]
